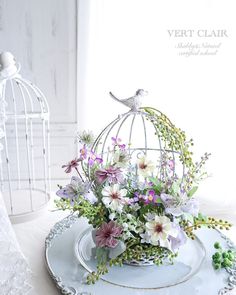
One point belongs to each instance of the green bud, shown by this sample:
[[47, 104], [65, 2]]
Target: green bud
[[231, 257], [225, 255], [217, 255], [217, 266], [217, 245], [226, 263]]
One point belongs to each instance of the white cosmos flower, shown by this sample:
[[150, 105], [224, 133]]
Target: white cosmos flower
[[159, 229], [114, 198], [145, 166]]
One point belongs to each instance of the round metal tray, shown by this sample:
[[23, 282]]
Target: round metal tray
[[69, 270]]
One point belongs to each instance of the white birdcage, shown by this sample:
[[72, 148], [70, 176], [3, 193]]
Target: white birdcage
[[24, 119], [147, 132]]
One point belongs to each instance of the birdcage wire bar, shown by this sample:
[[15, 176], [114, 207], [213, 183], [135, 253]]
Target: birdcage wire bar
[[127, 122], [26, 144]]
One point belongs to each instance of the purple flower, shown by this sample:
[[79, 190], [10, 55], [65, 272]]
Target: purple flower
[[179, 240], [151, 197], [117, 141], [168, 200], [94, 158], [171, 164], [106, 235], [112, 174], [74, 189], [83, 152], [72, 164]]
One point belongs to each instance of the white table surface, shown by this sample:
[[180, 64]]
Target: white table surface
[[31, 236]]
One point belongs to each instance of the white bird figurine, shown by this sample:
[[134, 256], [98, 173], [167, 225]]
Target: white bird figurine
[[134, 102]]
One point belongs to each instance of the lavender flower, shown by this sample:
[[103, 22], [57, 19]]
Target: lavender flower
[[74, 189], [72, 164], [112, 174], [107, 234], [179, 206], [179, 240]]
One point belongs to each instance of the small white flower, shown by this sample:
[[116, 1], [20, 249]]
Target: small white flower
[[114, 198], [145, 237], [145, 166], [135, 206], [132, 227], [112, 216], [159, 229], [125, 226], [129, 216]]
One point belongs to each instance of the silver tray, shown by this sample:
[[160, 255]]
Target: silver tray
[[63, 263]]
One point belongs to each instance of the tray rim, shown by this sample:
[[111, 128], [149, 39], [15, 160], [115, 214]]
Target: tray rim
[[66, 223]]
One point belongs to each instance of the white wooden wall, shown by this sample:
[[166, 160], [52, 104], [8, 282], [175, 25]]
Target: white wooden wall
[[42, 34]]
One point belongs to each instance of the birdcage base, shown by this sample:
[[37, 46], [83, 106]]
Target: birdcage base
[[25, 208]]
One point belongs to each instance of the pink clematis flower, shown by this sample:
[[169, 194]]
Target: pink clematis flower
[[107, 234], [112, 174], [72, 164]]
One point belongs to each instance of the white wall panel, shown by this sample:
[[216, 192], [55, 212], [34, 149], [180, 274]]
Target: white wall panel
[[43, 37]]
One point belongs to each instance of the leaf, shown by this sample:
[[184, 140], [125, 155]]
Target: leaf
[[192, 191], [102, 255], [157, 184]]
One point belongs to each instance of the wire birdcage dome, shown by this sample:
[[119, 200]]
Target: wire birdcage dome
[[146, 132], [24, 167]]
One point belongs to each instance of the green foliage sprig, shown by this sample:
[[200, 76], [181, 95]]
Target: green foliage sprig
[[96, 215]]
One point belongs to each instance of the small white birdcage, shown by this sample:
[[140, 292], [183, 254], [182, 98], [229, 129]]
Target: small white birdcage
[[24, 124]]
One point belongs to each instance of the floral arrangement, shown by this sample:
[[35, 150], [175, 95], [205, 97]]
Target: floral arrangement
[[140, 209]]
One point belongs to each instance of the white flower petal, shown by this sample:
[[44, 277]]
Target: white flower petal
[[115, 188], [106, 201], [123, 192], [106, 191]]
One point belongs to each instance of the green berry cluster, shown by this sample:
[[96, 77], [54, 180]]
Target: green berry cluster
[[136, 252], [222, 258], [198, 222], [94, 276], [174, 138]]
